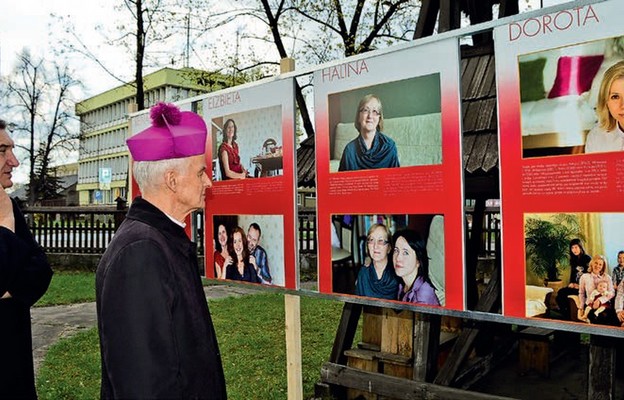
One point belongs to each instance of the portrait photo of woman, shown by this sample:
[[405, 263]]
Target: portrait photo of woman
[[376, 277], [229, 158], [372, 149], [608, 134]]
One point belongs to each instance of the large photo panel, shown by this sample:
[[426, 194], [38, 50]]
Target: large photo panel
[[251, 152], [560, 77], [388, 142]]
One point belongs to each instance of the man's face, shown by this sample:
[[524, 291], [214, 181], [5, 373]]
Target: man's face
[[192, 184], [7, 159], [621, 259], [253, 239]]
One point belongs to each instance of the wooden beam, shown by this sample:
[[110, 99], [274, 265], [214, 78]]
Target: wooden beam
[[427, 18], [464, 344], [393, 387], [449, 15], [346, 332], [474, 372], [508, 8], [472, 251], [601, 379], [292, 316], [426, 344]]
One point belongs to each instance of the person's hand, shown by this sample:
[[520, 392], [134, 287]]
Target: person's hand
[[228, 261], [6, 211], [620, 316], [252, 261]]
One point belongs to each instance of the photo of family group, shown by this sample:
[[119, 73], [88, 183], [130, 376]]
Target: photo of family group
[[389, 257], [247, 144], [575, 267], [572, 99], [386, 126], [249, 248]]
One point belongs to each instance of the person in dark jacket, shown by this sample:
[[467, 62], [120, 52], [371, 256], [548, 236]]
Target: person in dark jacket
[[579, 264], [157, 339], [24, 277]]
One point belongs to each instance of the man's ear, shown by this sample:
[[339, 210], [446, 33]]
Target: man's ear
[[171, 180]]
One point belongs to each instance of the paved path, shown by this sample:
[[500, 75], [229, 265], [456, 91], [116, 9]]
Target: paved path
[[49, 324]]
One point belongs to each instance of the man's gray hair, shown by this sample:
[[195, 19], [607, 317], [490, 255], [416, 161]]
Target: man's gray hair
[[3, 124], [150, 174]]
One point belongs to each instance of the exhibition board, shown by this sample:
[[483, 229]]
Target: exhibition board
[[388, 152], [562, 171], [250, 152]]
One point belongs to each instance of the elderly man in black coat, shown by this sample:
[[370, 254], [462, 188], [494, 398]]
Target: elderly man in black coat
[[156, 335], [24, 277]]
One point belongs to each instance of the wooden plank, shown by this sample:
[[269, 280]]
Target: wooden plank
[[508, 8], [397, 331], [371, 326], [365, 361], [463, 345], [393, 387], [476, 370], [346, 332], [426, 18], [426, 345], [449, 15], [601, 380], [292, 316]]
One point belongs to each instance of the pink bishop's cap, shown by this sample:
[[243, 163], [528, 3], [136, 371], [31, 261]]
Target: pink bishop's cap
[[173, 134]]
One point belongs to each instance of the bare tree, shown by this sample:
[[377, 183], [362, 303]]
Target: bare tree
[[314, 32], [39, 101], [143, 29]]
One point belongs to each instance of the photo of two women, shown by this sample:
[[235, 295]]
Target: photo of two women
[[389, 257]]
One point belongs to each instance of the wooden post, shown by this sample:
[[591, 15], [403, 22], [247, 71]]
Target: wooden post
[[292, 315], [287, 65], [601, 379], [426, 343]]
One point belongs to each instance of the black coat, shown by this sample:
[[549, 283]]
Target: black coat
[[25, 274], [156, 334]]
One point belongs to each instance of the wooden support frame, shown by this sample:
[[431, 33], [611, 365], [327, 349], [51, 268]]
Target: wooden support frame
[[601, 375], [393, 387], [426, 344], [426, 18]]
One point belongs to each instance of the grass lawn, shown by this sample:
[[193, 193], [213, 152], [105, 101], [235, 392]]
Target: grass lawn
[[69, 287], [250, 331]]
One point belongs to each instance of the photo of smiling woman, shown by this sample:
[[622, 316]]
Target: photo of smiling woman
[[411, 264], [371, 149], [376, 277]]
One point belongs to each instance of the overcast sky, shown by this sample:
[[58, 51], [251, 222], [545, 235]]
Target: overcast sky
[[28, 24]]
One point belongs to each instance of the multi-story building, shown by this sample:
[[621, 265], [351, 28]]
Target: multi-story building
[[103, 157]]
